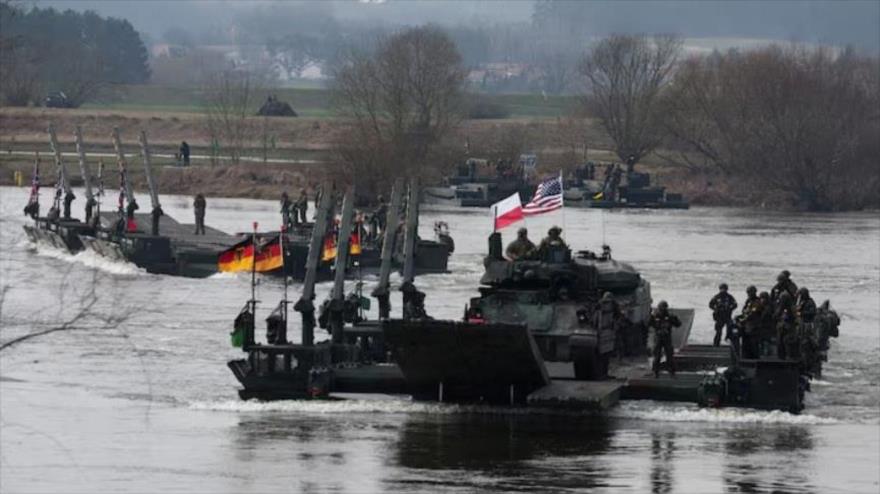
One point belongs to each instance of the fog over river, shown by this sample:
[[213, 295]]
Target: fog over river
[[150, 406]]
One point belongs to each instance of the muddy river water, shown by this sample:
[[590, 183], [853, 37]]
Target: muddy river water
[[148, 405]]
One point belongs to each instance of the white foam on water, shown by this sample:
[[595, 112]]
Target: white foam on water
[[719, 415], [384, 404], [90, 259], [225, 275]]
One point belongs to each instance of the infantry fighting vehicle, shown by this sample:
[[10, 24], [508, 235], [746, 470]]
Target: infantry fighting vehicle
[[556, 295]]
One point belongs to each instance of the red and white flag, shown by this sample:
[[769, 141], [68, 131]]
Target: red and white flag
[[507, 211]]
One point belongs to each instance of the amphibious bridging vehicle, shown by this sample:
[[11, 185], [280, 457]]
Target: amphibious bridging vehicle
[[532, 337]]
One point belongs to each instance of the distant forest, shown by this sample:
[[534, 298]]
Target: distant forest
[[47, 51]]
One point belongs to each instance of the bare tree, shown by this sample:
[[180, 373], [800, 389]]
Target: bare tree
[[624, 77], [78, 307], [230, 98], [403, 102], [798, 123]]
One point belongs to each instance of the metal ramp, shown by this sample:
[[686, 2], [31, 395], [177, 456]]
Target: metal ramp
[[459, 361]]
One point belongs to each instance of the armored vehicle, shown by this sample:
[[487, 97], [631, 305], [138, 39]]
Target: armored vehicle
[[557, 296], [618, 189], [480, 183]]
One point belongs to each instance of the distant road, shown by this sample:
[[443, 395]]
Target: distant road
[[200, 157]]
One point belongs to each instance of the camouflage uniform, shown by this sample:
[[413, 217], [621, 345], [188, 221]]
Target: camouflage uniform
[[663, 321], [199, 206], [723, 305], [749, 322], [521, 248], [808, 336], [286, 206], [551, 242], [787, 345]]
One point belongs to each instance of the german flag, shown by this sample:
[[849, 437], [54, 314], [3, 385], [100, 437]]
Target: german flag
[[328, 253], [354, 241], [240, 257], [330, 245], [270, 256]]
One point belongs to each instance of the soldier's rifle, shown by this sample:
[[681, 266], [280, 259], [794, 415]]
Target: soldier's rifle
[[392, 224], [305, 305]]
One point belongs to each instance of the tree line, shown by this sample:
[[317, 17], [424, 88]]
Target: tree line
[[793, 124], [46, 50]]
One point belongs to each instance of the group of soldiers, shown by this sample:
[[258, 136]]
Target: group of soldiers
[[784, 322], [523, 249]]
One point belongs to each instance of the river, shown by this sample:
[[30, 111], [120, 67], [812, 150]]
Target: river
[[148, 404]]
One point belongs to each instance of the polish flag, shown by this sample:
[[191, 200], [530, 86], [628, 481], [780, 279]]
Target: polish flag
[[507, 211]]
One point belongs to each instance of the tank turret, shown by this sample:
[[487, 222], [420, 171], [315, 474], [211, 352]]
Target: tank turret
[[580, 308]]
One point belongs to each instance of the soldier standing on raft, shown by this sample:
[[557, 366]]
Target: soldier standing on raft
[[68, 198], [285, 210], [378, 218], [749, 323], [786, 328], [663, 321], [155, 214], [302, 205], [199, 206], [783, 284], [722, 305]]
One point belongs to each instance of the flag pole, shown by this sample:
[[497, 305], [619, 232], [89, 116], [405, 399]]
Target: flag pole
[[562, 202]]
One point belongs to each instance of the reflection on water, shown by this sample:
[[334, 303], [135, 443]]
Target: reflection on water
[[768, 456], [662, 468]]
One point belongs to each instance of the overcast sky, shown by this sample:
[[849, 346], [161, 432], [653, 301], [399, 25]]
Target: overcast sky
[[835, 22]]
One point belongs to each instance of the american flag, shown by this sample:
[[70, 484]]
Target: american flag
[[548, 197]]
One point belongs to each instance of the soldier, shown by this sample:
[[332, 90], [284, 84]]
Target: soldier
[[663, 321], [722, 305], [806, 307], [521, 248], [302, 205], [828, 327], [749, 323], [766, 328], [783, 284], [319, 191], [808, 338], [786, 328], [551, 242], [155, 214], [68, 198], [609, 316], [285, 210], [379, 216], [184, 153], [199, 206]]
